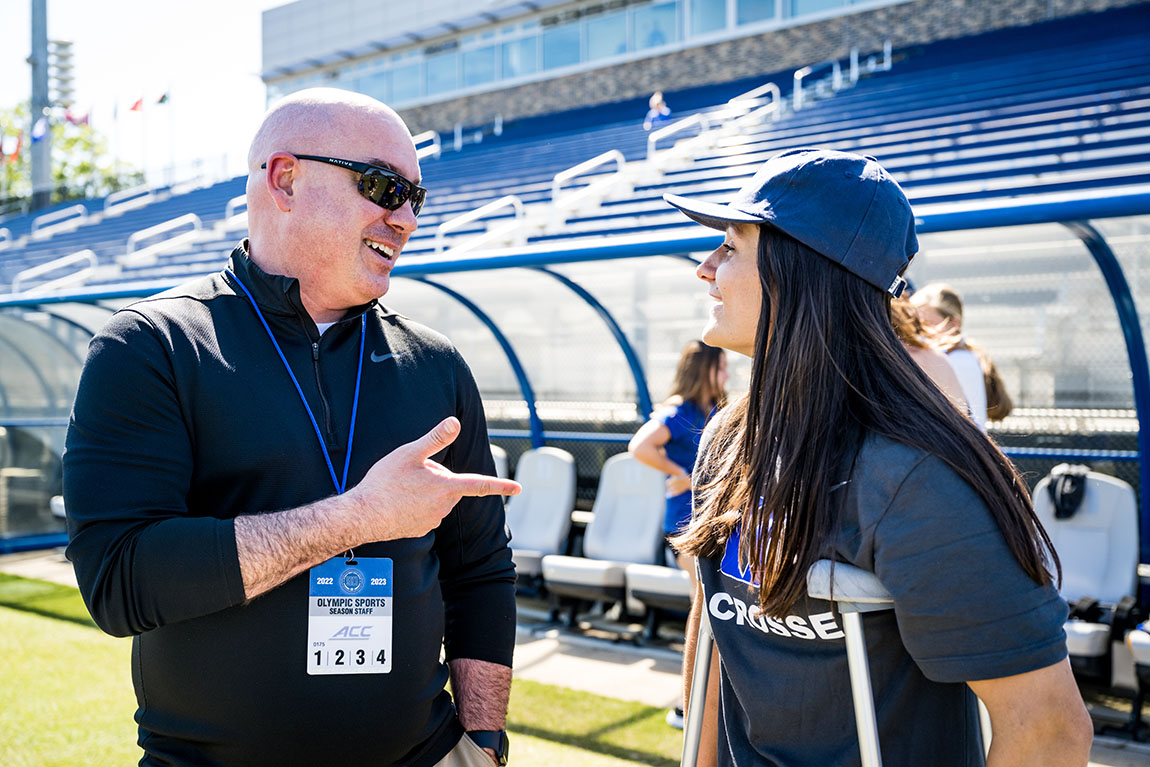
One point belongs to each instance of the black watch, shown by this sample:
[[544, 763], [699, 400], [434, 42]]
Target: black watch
[[496, 740]]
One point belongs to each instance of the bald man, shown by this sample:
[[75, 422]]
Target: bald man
[[282, 491]]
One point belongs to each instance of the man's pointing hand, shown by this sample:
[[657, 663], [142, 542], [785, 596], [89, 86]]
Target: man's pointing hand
[[406, 494]]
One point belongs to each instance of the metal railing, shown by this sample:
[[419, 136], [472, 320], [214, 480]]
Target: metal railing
[[428, 150], [235, 202], [755, 110], [797, 96], [508, 201], [78, 277], [613, 155], [128, 199], [132, 256], [699, 119], [59, 220], [233, 220]]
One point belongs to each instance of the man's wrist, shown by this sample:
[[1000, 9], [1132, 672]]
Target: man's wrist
[[494, 742]]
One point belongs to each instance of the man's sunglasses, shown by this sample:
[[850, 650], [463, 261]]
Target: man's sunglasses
[[383, 186]]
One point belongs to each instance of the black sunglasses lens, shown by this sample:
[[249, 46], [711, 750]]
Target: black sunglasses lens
[[390, 191], [418, 195], [378, 188]]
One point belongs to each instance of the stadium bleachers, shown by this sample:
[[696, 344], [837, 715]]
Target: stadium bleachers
[[1063, 107]]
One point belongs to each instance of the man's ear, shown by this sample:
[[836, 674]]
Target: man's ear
[[280, 179]]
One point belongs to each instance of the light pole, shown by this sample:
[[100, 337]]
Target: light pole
[[40, 128]]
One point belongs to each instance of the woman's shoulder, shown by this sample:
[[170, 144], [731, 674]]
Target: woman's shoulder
[[887, 470]]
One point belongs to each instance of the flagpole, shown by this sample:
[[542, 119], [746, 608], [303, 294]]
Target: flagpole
[[116, 139], [167, 101], [144, 140]]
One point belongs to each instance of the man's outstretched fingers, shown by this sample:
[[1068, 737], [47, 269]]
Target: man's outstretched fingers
[[481, 484], [442, 435]]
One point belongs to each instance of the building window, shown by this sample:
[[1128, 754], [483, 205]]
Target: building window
[[803, 7], [750, 11], [406, 83], [377, 85], [606, 35], [442, 73], [654, 25], [479, 66], [561, 45], [708, 16], [521, 57]]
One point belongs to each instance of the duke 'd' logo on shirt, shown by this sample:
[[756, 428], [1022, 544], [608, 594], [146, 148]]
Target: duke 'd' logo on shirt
[[727, 607]]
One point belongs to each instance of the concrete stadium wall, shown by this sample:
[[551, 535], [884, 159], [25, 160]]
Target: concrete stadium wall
[[914, 23]]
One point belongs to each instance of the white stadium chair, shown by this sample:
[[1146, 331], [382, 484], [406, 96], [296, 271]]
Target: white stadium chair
[[540, 517], [627, 528], [1098, 548]]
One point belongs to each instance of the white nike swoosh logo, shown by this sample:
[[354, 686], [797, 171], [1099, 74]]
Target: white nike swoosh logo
[[381, 357]]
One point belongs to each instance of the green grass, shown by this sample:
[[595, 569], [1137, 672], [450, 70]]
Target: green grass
[[66, 698], [65, 690]]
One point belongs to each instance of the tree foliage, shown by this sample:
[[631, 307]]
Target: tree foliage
[[82, 166]]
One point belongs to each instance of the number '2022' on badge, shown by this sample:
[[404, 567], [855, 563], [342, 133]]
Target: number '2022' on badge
[[350, 616]]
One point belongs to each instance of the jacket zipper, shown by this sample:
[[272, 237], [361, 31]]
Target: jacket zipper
[[327, 430]]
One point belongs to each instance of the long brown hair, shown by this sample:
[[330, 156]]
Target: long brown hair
[[695, 376], [827, 370]]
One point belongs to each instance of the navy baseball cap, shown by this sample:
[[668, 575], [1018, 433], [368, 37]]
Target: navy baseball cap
[[843, 205]]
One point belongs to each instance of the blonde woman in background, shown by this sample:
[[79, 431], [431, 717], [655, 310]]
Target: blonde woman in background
[[908, 327], [940, 310]]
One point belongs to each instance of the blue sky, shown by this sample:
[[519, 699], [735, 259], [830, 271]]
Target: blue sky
[[205, 54]]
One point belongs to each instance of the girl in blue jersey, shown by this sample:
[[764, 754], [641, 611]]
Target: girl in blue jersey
[[670, 440]]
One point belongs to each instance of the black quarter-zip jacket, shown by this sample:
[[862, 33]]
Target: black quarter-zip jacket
[[185, 418]]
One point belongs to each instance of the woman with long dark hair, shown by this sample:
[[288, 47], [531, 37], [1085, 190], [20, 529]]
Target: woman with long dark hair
[[844, 449]]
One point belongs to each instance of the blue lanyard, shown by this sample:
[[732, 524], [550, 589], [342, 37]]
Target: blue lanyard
[[339, 486]]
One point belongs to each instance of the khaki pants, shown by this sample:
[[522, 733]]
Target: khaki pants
[[466, 754]]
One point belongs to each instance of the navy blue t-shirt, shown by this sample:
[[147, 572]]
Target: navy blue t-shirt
[[964, 610], [686, 422]]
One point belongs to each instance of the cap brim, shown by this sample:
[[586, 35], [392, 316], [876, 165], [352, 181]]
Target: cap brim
[[711, 214]]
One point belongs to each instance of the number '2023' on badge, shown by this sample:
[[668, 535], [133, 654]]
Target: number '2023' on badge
[[350, 616]]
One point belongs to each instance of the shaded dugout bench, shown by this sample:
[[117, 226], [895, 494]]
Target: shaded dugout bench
[[572, 343]]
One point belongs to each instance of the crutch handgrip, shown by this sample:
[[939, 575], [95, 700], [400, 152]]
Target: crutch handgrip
[[854, 589]]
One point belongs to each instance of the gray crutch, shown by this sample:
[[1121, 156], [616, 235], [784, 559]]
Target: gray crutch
[[693, 727], [855, 592]]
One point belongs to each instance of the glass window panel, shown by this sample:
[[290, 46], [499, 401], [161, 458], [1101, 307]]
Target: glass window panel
[[803, 7], [521, 57], [377, 85], [479, 66], [708, 16], [561, 45], [442, 73], [750, 11], [654, 25], [606, 35], [406, 83]]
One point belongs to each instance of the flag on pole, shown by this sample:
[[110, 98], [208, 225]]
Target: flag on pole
[[163, 99], [138, 106], [10, 146], [39, 129]]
